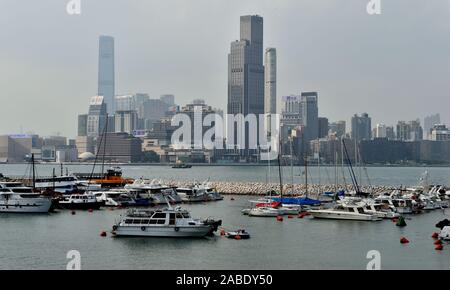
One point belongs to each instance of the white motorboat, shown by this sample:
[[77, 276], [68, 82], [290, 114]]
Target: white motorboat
[[80, 201], [193, 194], [17, 198], [167, 222], [346, 211], [62, 184], [142, 190], [264, 211], [115, 198]]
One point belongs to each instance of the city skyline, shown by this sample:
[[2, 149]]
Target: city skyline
[[388, 74]]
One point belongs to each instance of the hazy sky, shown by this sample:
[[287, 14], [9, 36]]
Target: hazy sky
[[394, 66]]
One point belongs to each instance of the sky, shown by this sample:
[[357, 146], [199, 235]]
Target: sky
[[395, 66]]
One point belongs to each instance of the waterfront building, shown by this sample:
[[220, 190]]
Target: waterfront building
[[125, 121], [323, 127], [361, 127], [270, 85], [338, 129], [96, 120], [428, 124], [380, 131], [246, 73], [106, 80], [390, 133], [409, 131], [440, 133], [85, 144], [154, 110], [168, 99], [15, 148], [82, 124], [120, 147], [310, 114]]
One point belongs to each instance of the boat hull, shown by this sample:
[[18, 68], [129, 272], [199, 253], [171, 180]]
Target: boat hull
[[42, 206], [328, 214], [81, 205], [167, 232]]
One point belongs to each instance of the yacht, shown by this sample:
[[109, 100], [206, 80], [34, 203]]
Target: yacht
[[111, 179], [115, 198], [265, 211], [80, 201], [61, 184], [17, 198], [193, 194], [152, 192], [167, 222], [346, 211]]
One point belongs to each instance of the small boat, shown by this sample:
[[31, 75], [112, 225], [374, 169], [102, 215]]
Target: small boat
[[445, 234], [80, 201], [265, 212], [166, 222], [111, 179], [239, 234], [344, 211], [115, 198], [151, 192], [181, 165], [17, 198]]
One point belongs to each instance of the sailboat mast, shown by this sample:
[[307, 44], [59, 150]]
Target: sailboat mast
[[279, 167], [34, 171]]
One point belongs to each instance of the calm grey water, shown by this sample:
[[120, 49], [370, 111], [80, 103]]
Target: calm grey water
[[42, 241]]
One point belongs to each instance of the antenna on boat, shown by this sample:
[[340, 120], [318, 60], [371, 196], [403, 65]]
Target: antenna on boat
[[98, 150]]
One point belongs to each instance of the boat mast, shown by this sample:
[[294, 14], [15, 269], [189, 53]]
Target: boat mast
[[292, 167], [352, 173], [104, 145], [305, 158], [34, 171], [279, 167]]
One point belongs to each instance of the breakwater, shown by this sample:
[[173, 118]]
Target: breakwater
[[262, 188]]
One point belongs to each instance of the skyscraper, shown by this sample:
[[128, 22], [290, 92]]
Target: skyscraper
[[361, 127], [428, 124], [96, 119], [270, 81], [106, 86], [246, 71], [310, 114]]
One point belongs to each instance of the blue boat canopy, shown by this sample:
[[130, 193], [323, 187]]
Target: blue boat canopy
[[297, 200]]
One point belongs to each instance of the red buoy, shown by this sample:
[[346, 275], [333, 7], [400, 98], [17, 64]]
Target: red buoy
[[222, 232], [289, 216], [439, 247], [438, 242], [279, 218], [404, 240], [90, 210], [237, 237], [435, 235], [103, 234]]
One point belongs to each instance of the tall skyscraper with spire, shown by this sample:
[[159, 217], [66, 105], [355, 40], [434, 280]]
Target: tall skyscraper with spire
[[246, 70], [106, 84]]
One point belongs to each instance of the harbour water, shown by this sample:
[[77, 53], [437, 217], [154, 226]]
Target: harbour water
[[42, 241]]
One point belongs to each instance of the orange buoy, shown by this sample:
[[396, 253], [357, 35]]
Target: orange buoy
[[404, 240], [439, 247], [103, 234], [237, 237], [435, 235], [289, 216], [438, 242], [279, 218]]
